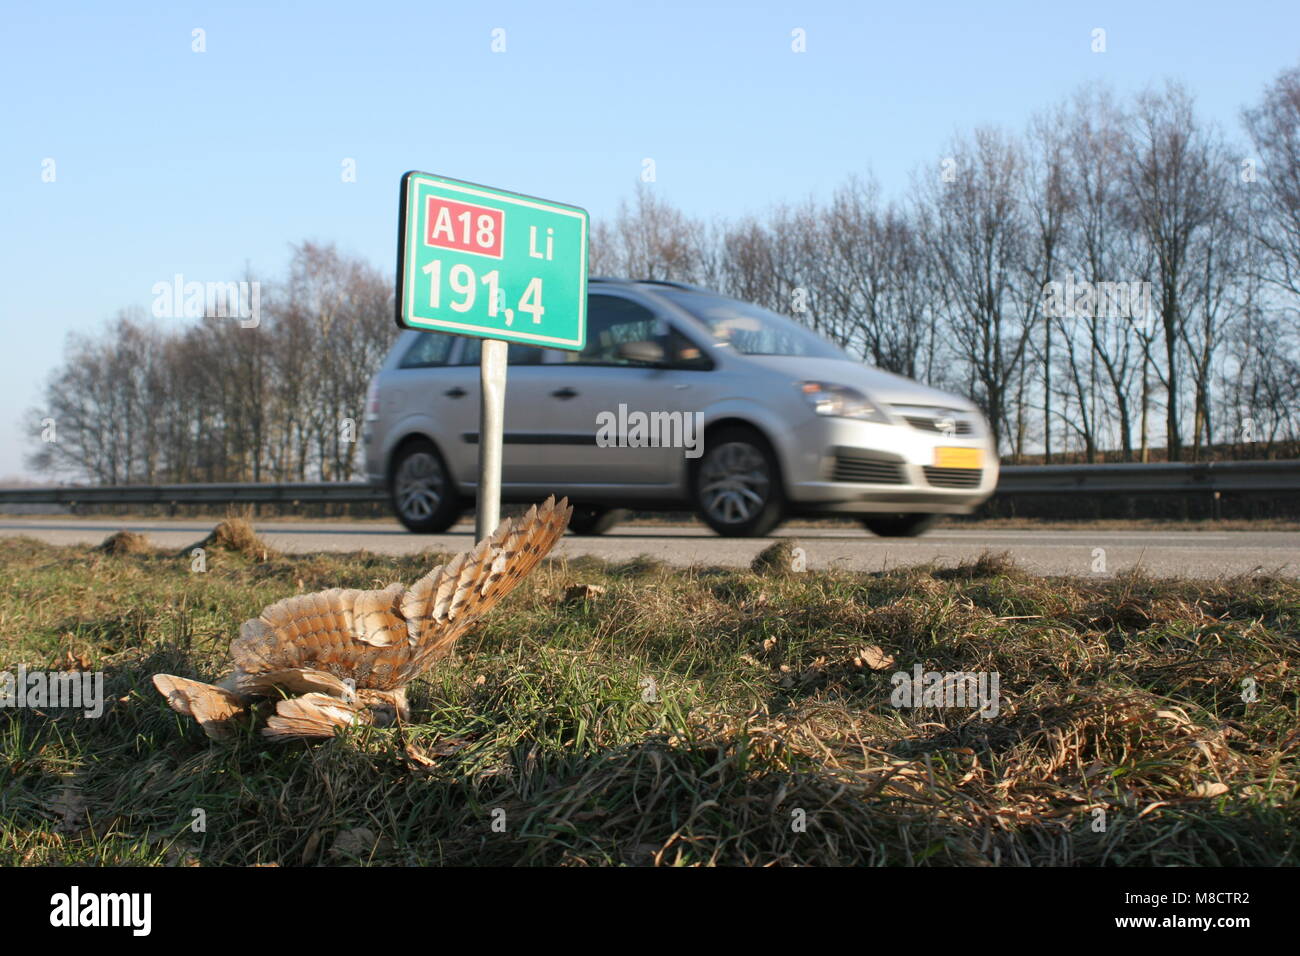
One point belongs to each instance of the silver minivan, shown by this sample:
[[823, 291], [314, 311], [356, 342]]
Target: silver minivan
[[682, 399]]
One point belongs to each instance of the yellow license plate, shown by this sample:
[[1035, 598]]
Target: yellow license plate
[[958, 458]]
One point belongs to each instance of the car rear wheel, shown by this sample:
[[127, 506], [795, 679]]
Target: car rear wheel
[[899, 526], [424, 498], [591, 521], [737, 484]]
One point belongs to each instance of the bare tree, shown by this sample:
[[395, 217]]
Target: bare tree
[[1100, 252], [1274, 127], [976, 231], [1050, 200], [1173, 179]]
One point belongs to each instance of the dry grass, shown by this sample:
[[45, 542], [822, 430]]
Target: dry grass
[[235, 535], [777, 558], [988, 565], [126, 542], [679, 717]]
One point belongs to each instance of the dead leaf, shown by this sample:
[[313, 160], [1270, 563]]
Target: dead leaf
[[359, 843], [422, 758], [582, 592], [873, 657], [309, 851], [70, 808], [182, 855], [1210, 789], [643, 854]]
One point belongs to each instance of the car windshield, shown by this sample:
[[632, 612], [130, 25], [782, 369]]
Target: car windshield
[[750, 329]]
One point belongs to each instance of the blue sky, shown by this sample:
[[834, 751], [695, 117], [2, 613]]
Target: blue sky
[[173, 161]]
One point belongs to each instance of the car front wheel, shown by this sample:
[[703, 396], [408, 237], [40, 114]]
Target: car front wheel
[[424, 497], [898, 526], [590, 521], [737, 484]]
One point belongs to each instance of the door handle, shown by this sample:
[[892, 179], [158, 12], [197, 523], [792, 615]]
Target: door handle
[[564, 393], [456, 392]]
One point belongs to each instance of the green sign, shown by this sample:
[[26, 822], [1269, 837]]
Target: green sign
[[472, 260]]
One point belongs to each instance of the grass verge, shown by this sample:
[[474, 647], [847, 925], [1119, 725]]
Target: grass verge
[[663, 716]]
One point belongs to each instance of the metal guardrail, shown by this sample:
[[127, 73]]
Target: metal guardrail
[[1152, 479], [302, 492], [1276, 477]]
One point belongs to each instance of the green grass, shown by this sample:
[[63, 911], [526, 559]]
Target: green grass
[[1123, 696]]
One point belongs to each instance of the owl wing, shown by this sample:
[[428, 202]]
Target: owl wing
[[300, 680], [311, 642], [311, 716], [447, 601], [212, 706], [383, 639]]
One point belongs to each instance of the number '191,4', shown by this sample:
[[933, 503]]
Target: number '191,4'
[[460, 278]]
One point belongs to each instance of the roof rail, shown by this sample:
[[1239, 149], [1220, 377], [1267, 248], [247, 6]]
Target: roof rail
[[668, 282], [675, 285]]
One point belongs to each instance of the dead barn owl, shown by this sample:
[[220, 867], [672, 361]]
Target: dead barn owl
[[342, 657]]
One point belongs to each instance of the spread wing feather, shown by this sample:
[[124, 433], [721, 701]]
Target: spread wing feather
[[346, 633], [447, 601], [212, 706], [305, 680], [312, 715]]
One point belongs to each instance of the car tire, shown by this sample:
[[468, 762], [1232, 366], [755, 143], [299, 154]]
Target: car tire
[[736, 484], [423, 495], [593, 521], [899, 526]]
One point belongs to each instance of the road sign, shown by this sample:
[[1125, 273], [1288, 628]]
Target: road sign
[[473, 260]]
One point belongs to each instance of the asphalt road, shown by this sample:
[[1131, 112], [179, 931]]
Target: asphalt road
[[1199, 554]]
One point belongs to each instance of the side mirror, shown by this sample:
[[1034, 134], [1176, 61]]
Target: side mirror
[[651, 353]]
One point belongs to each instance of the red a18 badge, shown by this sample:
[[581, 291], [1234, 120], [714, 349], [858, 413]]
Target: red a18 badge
[[463, 226]]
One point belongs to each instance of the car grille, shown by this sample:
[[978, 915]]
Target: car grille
[[868, 471], [953, 477], [932, 425]]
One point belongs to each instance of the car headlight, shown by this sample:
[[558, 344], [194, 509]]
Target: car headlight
[[840, 401]]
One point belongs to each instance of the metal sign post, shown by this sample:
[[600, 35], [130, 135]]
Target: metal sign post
[[496, 265], [491, 429]]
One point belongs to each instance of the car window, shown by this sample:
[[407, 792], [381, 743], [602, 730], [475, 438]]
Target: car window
[[750, 329], [428, 349], [517, 354], [682, 352], [612, 321]]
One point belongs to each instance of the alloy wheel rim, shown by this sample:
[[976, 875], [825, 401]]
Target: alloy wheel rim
[[734, 482], [419, 486]]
